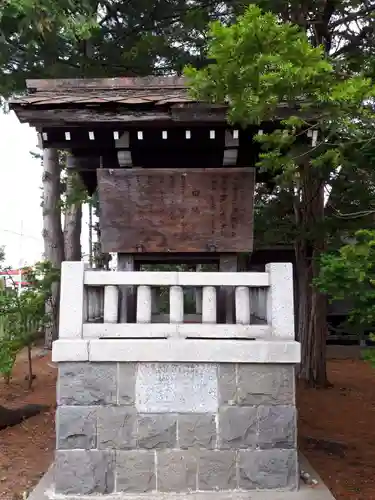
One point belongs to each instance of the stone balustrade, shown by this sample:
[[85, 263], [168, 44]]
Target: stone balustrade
[[263, 304]]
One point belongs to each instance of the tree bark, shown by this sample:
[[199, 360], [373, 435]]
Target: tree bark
[[312, 305], [9, 418], [52, 233], [72, 222]]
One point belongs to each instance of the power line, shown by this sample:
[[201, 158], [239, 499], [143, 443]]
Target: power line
[[20, 234]]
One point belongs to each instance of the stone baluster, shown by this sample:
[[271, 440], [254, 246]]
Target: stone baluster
[[176, 304], [111, 295], [144, 304], [93, 303], [97, 304], [209, 305], [242, 299]]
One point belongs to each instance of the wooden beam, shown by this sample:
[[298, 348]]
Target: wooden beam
[[78, 117]]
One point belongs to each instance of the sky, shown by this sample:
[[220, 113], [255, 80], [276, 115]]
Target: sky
[[20, 196]]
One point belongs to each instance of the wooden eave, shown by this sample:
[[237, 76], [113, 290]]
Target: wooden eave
[[61, 103], [119, 103]]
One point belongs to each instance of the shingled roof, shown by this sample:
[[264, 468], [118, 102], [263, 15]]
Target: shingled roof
[[126, 91], [130, 100], [79, 102]]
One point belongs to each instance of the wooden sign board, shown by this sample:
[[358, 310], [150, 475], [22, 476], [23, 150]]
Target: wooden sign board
[[175, 210]]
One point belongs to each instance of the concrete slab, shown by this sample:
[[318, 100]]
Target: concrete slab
[[43, 488], [316, 490]]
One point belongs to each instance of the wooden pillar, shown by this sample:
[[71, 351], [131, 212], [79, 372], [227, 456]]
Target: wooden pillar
[[226, 312], [125, 262]]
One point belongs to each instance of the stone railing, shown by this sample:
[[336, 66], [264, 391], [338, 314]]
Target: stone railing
[[94, 306]]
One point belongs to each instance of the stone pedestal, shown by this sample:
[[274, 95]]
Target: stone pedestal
[[175, 427]]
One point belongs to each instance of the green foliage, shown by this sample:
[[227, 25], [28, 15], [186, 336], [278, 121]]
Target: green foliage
[[23, 315], [2, 254], [94, 38], [10, 344], [349, 274], [369, 354], [266, 70], [258, 63]]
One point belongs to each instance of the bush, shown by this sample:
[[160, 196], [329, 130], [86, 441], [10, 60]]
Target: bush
[[349, 274], [22, 316]]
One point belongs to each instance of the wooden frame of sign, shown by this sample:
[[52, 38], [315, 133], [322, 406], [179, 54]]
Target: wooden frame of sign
[[174, 210]]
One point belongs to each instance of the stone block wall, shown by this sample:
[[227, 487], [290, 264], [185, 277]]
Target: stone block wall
[[147, 427]]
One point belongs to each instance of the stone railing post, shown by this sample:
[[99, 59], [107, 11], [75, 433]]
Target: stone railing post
[[280, 307], [71, 300]]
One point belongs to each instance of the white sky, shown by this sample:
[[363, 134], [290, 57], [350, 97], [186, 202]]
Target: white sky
[[20, 194]]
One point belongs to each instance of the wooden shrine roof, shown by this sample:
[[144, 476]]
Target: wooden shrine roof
[[127, 91], [122, 101], [79, 102]]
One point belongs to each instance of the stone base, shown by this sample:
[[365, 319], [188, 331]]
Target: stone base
[[45, 491], [163, 427]]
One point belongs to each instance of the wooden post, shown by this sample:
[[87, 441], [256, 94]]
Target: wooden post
[[125, 262]]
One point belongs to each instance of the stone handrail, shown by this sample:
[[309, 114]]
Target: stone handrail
[[263, 303], [93, 326]]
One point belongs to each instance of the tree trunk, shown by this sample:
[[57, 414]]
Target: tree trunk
[[9, 418], [72, 222], [52, 233], [312, 305]]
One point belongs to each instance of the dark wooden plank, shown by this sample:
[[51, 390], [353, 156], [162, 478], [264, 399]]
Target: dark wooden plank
[[172, 210]]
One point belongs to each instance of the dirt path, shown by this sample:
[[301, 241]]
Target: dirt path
[[26, 451], [337, 429]]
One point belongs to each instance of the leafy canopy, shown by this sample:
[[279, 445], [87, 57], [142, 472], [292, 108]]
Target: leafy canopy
[[261, 63], [267, 70]]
